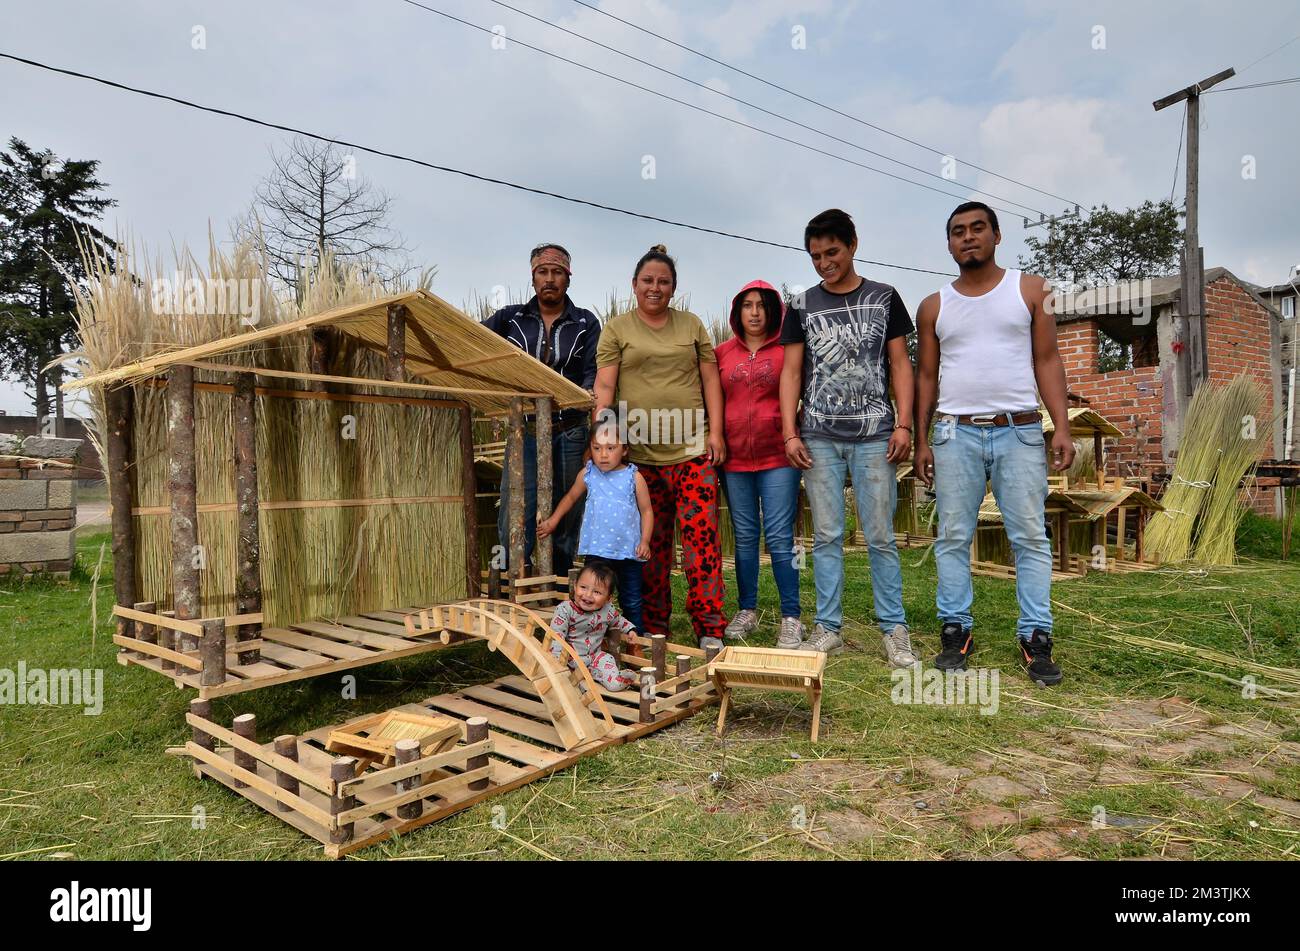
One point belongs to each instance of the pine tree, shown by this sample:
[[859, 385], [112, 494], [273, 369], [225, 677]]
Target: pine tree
[[45, 206]]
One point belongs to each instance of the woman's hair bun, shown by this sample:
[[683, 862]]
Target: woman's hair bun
[[659, 248]]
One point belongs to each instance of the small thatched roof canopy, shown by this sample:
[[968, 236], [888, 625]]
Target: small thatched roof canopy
[[445, 348], [1083, 422], [1101, 502]]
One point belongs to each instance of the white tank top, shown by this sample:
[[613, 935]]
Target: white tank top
[[986, 356]]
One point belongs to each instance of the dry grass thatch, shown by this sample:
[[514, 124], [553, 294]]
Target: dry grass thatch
[[326, 561]]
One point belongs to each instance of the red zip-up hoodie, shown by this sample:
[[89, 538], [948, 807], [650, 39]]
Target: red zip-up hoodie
[[751, 387]]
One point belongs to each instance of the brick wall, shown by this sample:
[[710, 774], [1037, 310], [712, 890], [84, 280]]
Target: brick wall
[[38, 504]]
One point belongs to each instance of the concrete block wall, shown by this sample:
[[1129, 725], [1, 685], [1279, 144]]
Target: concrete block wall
[[38, 504]]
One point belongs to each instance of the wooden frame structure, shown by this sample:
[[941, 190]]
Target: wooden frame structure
[[220, 653], [769, 668]]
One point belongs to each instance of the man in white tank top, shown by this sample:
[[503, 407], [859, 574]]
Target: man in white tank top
[[986, 353]]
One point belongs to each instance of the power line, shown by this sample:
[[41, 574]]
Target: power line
[[737, 99], [815, 102], [1273, 82], [439, 168], [1179, 154], [707, 112]]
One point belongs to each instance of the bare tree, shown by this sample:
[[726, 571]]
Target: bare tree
[[313, 201]]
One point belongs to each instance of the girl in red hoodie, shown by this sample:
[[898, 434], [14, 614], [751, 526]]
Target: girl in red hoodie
[[761, 485]]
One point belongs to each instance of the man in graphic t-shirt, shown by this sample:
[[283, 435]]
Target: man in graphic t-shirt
[[845, 346]]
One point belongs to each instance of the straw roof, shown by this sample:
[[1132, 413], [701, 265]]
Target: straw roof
[[1057, 500], [1099, 503], [445, 348], [1083, 422]]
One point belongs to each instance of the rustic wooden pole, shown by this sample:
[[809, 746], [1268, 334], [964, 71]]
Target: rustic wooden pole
[[659, 655], [203, 710], [683, 668], [286, 746], [515, 476], [341, 770], [407, 751], [245, 725], [169, 639], [184, 503], [248, 574], [545, 483], [144, 631], [1098, 459], [494, 582], [476, 731], [120, 410], [396, 363], [318, 359], [1139, 535], [473, 571], [1121, 530], [212, 652], [710, 653], [647, 694]]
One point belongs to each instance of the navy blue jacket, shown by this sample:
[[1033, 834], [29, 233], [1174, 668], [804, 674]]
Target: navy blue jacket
[[569, 349]]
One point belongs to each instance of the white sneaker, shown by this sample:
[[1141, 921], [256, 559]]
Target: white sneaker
[[792, 634], [745, 622], [826, 641], [898, 647]]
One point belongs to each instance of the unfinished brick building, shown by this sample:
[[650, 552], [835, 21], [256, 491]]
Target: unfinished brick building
[[1147, 400]]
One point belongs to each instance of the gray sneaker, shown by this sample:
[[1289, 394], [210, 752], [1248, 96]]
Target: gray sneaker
[[898, 647], [792, 634], [745, 622], [710, 642], [826, 641]]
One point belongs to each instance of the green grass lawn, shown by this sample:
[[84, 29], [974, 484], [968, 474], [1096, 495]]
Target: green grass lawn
[[1145, 733]]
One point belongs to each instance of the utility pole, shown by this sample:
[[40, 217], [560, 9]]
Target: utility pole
[[1050, 224], [1192, 369]]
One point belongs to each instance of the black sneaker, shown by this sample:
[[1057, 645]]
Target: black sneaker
[[1036, 654], [957, 647]]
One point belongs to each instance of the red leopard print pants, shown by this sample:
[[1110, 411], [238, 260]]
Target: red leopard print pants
[[684, 496]]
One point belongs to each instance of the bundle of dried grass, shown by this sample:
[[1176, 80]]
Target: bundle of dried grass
[[1170, 534], [1219, 447], [1240, 447], [316, 560]]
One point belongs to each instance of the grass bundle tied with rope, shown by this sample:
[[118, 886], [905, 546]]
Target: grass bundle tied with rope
[[1220, 446], [355, 511]]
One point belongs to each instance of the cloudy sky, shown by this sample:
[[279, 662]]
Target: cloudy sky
[[1054, 95]]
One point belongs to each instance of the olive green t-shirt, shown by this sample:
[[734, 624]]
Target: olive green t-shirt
[[660, 397]]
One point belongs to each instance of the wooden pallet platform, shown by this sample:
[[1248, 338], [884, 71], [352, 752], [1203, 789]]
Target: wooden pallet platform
[[509, 740], [295, 652]]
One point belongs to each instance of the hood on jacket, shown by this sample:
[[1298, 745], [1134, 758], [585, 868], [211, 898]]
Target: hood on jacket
[[772, 303]]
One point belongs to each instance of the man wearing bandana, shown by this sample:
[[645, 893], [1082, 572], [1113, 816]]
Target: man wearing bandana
[[550, 328]]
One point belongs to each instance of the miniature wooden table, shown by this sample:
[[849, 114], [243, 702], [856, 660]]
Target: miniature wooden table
[[769, 668]]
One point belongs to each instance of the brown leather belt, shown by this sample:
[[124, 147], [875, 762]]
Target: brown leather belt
[[1002, 419]]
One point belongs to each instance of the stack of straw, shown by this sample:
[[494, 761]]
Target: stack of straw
[[1220, 445]]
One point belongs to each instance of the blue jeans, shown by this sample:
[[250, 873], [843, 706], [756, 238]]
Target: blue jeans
[[875, 489], [567, 449], [776, 493], [628, 573], [1013, 460]]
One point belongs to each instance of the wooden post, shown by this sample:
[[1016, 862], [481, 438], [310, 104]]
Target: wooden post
[[212, 652], [318, 359], [407, 751], [341, 770], [203, 710], [1099, 460], [120, 409], [647, 694], [1139, 535], [286, 746], [1063, 529], [396, 363], [248, 572], [1121, 515], [476, 731], [144, 631], [683, 668], [659, 655], [515, 476], [184, 503], [494, 582], [474, 578], [545, 483], [245, 725], [710, 653]]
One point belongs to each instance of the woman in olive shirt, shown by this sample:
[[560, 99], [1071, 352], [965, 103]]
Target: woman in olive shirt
[[656, 371]]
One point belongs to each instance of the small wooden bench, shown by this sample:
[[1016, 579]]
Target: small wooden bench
[[769, 668]]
